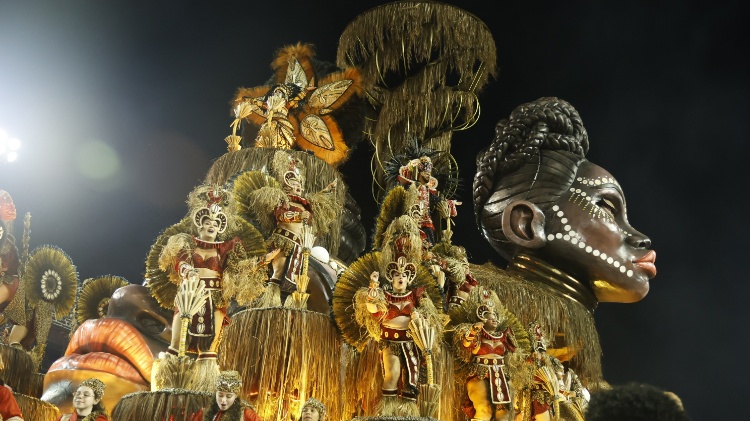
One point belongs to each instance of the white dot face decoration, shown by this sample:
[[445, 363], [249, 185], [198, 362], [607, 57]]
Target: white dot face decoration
[[589, 236]]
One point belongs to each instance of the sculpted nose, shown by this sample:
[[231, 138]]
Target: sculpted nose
[[639, 241]]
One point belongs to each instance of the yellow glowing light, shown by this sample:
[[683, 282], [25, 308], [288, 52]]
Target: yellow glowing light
[[97, 160]]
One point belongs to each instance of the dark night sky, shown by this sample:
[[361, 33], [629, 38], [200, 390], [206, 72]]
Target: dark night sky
[[122, 107]]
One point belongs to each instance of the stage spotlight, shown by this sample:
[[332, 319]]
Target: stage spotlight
[[8, 147]]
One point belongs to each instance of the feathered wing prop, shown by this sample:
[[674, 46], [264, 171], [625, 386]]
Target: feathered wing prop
[[93, 301], [161, 280], [302, 106]]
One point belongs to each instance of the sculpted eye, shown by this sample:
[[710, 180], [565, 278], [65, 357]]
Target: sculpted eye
[[608, 206]]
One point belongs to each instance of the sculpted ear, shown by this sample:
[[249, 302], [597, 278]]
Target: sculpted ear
[[523, 224]]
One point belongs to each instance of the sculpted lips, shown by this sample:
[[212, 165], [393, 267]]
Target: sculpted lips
[[647, 263], [109, 345]]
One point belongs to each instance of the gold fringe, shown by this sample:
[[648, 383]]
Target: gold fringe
[[325, 209], [318, 174], [283, 355], [559, 317], [203, 375], [162, 282], [382, 39], [258, 202], [397, 202], [36, 385], [393, 406], [403, 226], [36, 409], [363, 317], [363, 379], [168, 404], [171, 372], [270, 297], [18, 365]]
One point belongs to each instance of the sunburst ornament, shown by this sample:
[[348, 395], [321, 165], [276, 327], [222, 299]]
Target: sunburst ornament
[[51, 277], [93, 302]]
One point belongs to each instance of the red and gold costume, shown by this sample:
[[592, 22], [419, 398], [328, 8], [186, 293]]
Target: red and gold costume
[[399, 340], [8, 250], [489, 349], [202, 325], [289, 242], [8, 405], [427, 195]]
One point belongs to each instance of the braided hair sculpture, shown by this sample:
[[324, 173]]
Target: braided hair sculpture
[[534, 156]]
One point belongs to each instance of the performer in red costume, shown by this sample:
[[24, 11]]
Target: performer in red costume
[[8, 252], [208, 258], [9, 410], [227, 407], [88, 403]]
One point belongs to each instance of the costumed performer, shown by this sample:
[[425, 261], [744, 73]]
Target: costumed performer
[[293, 213], [387, 314], [87, 401], [220, 264], [485, 344], [227, 406], [9, 410]]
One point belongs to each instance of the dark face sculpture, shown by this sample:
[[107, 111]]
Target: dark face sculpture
[[587, 235], [118, 349]]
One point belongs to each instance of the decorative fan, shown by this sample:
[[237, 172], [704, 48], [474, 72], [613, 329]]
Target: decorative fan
[[51, 277], [93, 302]]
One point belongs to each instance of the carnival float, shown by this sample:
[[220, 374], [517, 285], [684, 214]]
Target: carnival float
[[267, 289]]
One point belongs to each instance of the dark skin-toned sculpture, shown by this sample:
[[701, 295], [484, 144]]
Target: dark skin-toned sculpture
[[561, 222]]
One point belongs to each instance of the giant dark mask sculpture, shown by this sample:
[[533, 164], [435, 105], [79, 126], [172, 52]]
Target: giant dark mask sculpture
[[538, 199]]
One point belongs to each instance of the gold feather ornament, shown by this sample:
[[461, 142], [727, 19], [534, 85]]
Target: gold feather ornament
[[93, 301], [294, 112], [51, 277]]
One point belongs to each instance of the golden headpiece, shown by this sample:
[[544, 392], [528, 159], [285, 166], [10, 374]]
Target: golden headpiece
[[96, 385], [229, 381], [317, 405], [487, 306], [211, 201]]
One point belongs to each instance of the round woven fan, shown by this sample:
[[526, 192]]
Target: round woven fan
[[93, 302], [50, 276]]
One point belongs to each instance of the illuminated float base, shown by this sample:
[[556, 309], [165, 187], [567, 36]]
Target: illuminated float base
[[36, 409], [166, 405], [289, 355]]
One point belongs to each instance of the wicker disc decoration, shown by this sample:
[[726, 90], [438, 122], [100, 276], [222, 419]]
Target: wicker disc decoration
[[93, 303], [51, 277]]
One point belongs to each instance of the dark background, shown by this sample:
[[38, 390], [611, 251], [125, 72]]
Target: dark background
[[121, 107]]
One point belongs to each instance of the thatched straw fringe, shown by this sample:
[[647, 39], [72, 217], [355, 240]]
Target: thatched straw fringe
[[36, 409], [168, 404], [318, 174], [286, 354], [452, 33], [18, 365], [426, 109], [363, 380], [446, 378], [36, 385], [532, 302]]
